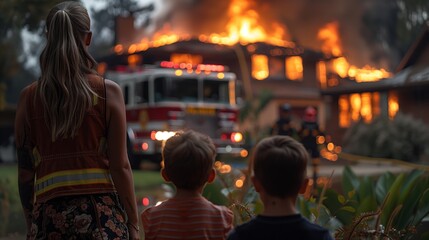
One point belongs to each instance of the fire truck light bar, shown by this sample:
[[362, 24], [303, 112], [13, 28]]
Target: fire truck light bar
[[198, 67]]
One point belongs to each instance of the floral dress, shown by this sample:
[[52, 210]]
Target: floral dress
[[97, 216]]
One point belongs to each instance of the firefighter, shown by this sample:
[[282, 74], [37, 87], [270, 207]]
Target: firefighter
[[308, 135], [283, 125]]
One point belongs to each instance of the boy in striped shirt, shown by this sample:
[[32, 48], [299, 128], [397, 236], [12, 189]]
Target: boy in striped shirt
[[188, 163]]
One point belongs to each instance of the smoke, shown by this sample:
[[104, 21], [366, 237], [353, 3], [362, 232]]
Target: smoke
[[303, 19]]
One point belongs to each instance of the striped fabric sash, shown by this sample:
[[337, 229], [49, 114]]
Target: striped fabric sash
[[72, 178]]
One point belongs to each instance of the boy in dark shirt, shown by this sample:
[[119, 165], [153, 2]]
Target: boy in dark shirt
[[279, 175]]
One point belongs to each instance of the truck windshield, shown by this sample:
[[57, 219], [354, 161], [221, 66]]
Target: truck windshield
[[176, 89], [215, 91], [187, 90]]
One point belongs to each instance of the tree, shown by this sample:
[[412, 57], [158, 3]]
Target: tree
[[16, 15], [391, 26], [104, 22]]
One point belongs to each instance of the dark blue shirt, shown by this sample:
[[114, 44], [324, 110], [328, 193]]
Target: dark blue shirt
[[293, 227]]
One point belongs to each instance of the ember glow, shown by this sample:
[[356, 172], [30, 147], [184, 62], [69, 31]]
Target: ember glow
[[329, 35], [243, 26]]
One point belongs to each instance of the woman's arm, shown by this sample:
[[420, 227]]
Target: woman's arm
[[26, 173], [120, 168]]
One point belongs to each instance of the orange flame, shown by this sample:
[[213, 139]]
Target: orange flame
[[243, 27], [329, 35]]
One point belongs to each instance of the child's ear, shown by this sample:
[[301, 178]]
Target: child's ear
[[304, 185], [164, 175], [212, 176]]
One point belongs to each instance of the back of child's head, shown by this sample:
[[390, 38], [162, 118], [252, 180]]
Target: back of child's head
[[280, 164], [188, 159]]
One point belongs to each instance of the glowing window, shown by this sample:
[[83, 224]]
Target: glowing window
[[186, 58], [344, 111], [260, 67], [355, 103], [357, 106], [366, 109], [294, 68], [321, 74], [393, 105]]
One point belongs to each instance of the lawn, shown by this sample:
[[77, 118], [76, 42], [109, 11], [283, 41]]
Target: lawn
[[147, 184]]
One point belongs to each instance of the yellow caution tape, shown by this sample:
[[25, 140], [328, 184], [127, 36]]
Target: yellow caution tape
[[358, 158]]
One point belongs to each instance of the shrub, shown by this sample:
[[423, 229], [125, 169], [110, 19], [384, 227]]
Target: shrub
[[403, 138]]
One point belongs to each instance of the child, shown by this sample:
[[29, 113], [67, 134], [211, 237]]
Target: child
[[188, 163], [279, 168]]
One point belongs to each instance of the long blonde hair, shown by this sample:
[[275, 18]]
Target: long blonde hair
[[63, 87]]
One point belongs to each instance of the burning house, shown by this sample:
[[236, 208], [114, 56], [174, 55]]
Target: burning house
[[406, 92], [263, 57]]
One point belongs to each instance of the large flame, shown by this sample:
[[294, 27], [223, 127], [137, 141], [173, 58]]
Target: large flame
[[329, 35], [243, 26]]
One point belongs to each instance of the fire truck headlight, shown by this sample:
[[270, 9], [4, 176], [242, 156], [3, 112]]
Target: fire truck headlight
[[162, 135], [236, 137]]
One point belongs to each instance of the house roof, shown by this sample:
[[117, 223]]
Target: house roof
[[416, 49], [409, 73], [411, 77]]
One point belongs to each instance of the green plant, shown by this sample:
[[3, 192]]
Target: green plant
[[403, 138], [391, 208], [385, 207]]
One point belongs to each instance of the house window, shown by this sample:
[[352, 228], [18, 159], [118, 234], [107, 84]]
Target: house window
[[356, 106], [321, 74], [393, 105], [260, 67], [186, 58], [294, 68], [344, 111]]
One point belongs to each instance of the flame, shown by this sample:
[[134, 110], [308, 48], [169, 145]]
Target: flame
[[329, 35], [260, 69], [243, 26]]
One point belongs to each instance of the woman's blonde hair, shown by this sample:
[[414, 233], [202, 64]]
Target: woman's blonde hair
[[63, 87]]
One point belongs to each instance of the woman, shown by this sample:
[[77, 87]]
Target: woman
[[75, 181]]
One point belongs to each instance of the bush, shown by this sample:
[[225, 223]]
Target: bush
[[386, 207], [403, 138]]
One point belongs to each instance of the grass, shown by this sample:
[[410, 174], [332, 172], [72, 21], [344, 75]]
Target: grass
[[146, 184]]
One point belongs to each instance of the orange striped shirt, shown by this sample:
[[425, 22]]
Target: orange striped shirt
[[192, 218]]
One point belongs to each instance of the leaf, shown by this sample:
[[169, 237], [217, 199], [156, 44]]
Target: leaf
[[368, 204], [409, 184], [348, 209], [383, 185], [423, 208], [410, 202], [350, 194], [391, 202], [350, 180], [331, 200], [303, 207], [366, 188], [341, 199]]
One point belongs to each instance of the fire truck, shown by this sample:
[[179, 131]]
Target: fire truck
[[168, 97]]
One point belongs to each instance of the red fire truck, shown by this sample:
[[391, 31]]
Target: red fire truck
[[169, 97]]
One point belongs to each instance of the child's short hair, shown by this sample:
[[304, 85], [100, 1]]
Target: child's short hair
[[188, 158], [280, 165]]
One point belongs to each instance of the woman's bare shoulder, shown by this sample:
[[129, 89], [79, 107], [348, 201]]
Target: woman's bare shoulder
[[113, 88]]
